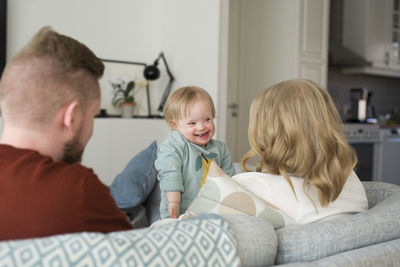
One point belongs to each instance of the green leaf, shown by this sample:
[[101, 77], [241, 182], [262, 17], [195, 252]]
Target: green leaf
[[124, 95], [130, 86]]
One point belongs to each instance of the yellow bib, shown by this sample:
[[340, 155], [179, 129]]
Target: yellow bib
[[206, 167]]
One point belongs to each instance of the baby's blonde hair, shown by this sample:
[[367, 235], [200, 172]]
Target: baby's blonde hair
[[295, 129], [180, 101]]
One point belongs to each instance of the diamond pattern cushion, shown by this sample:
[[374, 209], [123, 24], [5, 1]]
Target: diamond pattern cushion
[[202, 241]]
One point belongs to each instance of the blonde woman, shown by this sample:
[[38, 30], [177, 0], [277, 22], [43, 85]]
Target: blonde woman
[[305, 166]]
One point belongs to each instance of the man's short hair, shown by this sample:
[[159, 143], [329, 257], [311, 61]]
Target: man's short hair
[[46, 74]]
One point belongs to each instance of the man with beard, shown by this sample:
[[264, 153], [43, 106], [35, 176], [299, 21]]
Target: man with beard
[[49, 95]]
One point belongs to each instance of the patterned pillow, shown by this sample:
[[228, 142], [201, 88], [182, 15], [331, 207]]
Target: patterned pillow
[[203, 241], [222, 195]]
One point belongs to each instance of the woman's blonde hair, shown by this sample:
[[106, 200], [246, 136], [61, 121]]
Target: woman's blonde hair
[[295, 129], [180, 101]]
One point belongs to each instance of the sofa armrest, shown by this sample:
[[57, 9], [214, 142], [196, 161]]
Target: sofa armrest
[[378, 191], [382, 254], [313, 241]]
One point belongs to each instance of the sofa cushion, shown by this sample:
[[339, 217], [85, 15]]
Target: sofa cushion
[[138, 217], [314, 241], [222, 195], [256, 239], [152, 204], [378, 191], [382, 254], [203, 241], [133, 185]]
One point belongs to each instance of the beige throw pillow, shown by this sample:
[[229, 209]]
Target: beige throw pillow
[[221, 195]]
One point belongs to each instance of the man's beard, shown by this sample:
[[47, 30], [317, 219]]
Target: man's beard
[[73, 150]]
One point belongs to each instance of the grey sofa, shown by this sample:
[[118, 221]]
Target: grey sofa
[[370, 238], [366, 239]]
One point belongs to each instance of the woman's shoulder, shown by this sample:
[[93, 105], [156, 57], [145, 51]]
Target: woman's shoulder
[[254, 181], [263, 176], [353, 188], [256, 175]]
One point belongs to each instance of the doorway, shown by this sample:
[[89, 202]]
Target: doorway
[[263, 50]]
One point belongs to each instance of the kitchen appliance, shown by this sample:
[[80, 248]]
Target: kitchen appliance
[[366, 141], [361, 109], [388, 154]]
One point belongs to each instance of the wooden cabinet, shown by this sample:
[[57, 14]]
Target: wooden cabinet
[[393, 36], [364, 22], [116, 141], [313, 40], [394, 22], [371, 30]]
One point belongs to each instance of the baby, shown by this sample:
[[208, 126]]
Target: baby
[[183, 158]]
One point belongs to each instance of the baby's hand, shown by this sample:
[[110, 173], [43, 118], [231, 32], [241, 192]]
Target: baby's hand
[[173, 209], [174, 201]]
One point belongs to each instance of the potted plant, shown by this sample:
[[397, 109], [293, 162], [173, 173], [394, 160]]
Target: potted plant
[[123, 97]]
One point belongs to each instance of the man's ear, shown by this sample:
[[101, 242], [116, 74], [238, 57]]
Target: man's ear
[[70, 115]]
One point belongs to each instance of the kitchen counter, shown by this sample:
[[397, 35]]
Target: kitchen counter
[[389, 126]]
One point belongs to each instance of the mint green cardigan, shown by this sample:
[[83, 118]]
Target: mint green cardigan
[[180, 167]]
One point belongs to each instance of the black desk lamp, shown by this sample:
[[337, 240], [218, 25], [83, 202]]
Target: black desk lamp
[[151, 73]]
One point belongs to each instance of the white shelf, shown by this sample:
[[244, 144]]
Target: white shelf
[[116, 141]]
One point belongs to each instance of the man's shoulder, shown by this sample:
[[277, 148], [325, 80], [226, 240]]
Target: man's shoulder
[[8, 151], [73, 174], [32, 163], [75, 168]]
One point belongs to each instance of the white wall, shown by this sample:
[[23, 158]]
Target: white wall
[[133, 30]]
